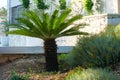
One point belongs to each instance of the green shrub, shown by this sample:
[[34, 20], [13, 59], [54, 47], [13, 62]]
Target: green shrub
[[25, 3], [102, 50], [91, 74], [15, 76], [41, 4], [88, 4], [62, 4], [62, 61]]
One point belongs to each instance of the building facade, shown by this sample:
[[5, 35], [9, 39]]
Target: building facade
[[110, 10], [15, 8]]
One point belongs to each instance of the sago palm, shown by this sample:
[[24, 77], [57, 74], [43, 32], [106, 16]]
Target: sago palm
[[48, 28]]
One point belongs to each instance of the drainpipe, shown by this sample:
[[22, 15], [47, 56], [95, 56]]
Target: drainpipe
[[8, 17], [9, 10]]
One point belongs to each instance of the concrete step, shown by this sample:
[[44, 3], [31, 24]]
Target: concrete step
[[31, 50]]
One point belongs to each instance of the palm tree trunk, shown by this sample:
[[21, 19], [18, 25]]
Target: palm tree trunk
[[50, 48]]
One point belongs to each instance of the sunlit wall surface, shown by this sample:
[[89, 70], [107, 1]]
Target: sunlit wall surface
[[14, 7]]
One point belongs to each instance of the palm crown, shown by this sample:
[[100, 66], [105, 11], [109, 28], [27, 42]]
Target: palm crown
[[47, 27]]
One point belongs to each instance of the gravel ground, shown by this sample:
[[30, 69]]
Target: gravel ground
[[34, 63]]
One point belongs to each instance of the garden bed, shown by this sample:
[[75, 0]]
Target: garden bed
[[33, 66], [23, 65]]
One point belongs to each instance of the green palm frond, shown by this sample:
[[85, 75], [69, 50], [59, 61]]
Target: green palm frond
[[63, 17], [73, 31], [31, 15], [54, 19], [28, 24], [67, 23], [24, 32], [46, 23], [38, 22], [17, 26], [75, 28], [47, 26]]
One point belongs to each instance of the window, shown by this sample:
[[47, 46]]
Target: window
[[16, 12]]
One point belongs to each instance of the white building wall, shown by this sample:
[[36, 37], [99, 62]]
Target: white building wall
[[111, 6], [17, 40], [33, 41], [14, 3]]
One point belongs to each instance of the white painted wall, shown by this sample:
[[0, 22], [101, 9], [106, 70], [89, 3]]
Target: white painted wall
[[111, 6], [29, 41], [17, 40], [14, 3], [33, 41]]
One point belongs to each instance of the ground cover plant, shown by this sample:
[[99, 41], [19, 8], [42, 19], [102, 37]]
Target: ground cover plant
[[15, 76], [91, 74], [101, 50]]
